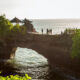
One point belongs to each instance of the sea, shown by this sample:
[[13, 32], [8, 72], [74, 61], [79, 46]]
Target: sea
[[57, 25]]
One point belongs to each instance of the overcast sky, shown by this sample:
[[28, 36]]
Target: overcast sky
[[40, 9]]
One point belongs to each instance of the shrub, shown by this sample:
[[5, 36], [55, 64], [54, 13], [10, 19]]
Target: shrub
[[5, 26], [76, 44], [16, 77]]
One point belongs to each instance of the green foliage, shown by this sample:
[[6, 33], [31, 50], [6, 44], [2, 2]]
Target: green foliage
[[70, 31], [23, 29], [16, 77], [76, 44], [5, 26], [15, 29]]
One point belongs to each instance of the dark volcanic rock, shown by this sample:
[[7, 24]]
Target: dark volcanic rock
[[56, 48]]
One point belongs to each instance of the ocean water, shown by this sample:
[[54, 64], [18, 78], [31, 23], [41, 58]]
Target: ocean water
[[30, 57], [30, 62], [57, 25]]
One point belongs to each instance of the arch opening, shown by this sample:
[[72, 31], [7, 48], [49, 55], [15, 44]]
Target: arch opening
[[29, 56], [31, 62]]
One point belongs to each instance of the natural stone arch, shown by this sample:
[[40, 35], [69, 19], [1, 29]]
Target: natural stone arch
[[55, 48]]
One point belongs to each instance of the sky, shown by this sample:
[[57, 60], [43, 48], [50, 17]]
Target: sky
[[40, 9]]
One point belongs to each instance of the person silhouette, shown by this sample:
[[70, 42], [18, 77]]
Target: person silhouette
[[51, 31], [47, 31], [42, 31]]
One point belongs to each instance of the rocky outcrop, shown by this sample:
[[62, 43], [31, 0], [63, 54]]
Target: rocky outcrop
[[56, 48]]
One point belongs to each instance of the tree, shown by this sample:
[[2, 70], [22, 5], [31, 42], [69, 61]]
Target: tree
[[5, 26]]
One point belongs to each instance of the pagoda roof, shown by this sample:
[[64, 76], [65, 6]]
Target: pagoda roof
[[16, 20], [26, 20]]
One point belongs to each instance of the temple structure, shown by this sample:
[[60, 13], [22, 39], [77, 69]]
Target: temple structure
[[28, 25], [25, 23], [16, 20]]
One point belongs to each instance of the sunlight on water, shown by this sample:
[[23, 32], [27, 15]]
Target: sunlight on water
[[30, 57]]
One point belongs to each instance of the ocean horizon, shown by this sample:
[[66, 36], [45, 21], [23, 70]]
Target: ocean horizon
[[57, 25]]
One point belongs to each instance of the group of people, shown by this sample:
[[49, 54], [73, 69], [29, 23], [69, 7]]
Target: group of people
[[48, 31]]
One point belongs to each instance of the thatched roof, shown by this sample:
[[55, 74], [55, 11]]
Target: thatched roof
[[16, 20]]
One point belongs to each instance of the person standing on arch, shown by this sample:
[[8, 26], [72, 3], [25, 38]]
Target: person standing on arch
[[51, 31], [47, 31], [42, 31]]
